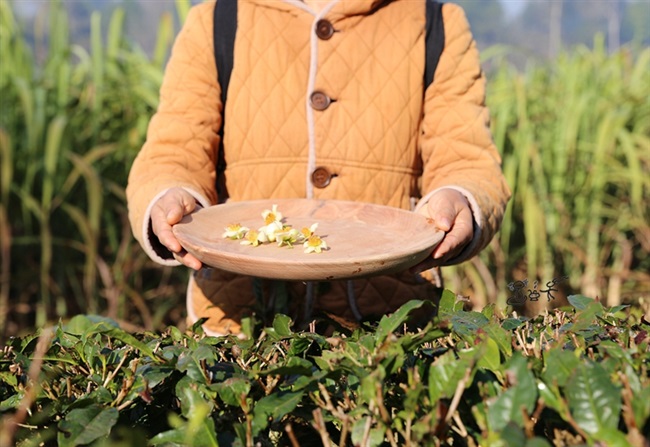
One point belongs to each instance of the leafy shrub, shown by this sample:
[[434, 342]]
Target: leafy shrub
[[71, 123], [572, 376], [575, 141]]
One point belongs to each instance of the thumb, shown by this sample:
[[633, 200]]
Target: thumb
[[178, 203], [442, 212]]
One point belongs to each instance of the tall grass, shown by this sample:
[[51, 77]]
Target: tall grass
[[69, 129], [575, 137]]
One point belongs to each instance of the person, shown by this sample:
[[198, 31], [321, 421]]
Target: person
[[326, 100]]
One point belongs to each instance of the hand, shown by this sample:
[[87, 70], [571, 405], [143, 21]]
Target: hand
[[167, 211], [451, 213]]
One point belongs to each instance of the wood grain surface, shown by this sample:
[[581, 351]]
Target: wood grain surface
[[363, 239]]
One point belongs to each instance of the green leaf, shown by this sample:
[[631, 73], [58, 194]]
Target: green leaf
[[155, 375], [376, 435], [513, 436], [618, 352], [580, 302], [299, 344], [612, 437], [12, 402], [85, 425], [586, 317], [522, 395], [537, 442], [488, 311], [468, 323], [512, 323], [641, 406], [79, 324], [200, 431], [559, 365], [275, 407], [233, 391], [448, 304], [126, 338], [293, 365], [191, 366], [552, 398], [594, 401], [189, 397], [615, 309], [368, 391], [390, 323], [169, 438], [282, 325], [445, 374], [9, 379], [410, 342], [491, 358], [502, 337]]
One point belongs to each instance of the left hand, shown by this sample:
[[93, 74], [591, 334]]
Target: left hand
[[451, 213]]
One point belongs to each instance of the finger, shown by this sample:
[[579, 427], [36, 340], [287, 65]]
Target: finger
[[439, 256], [457, 237], [442, 212], [162, 229], [168, 211], [452, 244], [176, 204], [168, 239], [188, 260], [427, 264]]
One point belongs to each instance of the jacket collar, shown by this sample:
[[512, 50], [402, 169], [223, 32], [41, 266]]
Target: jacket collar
[[334, 9]]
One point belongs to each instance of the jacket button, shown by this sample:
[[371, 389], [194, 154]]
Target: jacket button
[[324, 29], [321, 177], [320, 101]]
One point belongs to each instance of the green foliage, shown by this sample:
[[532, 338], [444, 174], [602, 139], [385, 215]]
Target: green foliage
[[573, 376], [574, 135], [575, 141], [71, 123]]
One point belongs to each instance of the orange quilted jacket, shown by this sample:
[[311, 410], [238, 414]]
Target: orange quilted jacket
[[347, 103]]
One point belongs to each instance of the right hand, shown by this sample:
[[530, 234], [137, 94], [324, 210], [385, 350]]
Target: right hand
[[167, 211]]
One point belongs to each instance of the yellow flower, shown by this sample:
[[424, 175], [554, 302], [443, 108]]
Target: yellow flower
[[314, 244], [254, 238], [275, 231], [234, 231], [306, 233], [272, 215], [270, 230]]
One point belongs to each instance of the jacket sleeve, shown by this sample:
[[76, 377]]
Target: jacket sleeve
[[182, 138], [457, 147]]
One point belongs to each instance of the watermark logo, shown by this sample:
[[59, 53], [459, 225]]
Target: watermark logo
[[521, 293]]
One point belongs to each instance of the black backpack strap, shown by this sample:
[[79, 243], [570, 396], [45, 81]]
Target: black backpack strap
[[224, 29], [435, 40]]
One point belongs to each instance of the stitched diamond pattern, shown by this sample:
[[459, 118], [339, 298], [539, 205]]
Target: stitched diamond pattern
[[369, 131]]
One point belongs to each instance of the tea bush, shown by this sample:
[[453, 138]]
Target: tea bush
[[573, 376]]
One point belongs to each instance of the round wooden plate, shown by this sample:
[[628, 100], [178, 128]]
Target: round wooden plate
[[363, 239]]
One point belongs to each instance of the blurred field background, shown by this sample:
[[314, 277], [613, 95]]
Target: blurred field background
[[79, 82]]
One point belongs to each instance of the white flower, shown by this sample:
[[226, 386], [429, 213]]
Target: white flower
[[254, 238], [306, 233], [288, 236], [234, 231], [271, 229], [272, 215], [276, 231], [314, 244]]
